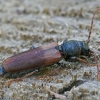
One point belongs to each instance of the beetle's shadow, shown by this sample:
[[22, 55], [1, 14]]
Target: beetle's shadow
[[41, 71]]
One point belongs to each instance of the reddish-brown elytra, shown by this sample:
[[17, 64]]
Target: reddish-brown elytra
[[33, 58]]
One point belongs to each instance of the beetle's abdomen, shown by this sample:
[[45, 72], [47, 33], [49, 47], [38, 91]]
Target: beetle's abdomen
[[34, 58]]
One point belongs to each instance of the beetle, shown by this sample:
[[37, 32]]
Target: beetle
[[48, 55]]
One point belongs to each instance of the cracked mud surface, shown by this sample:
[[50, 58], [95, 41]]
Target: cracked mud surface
[[25, 23]]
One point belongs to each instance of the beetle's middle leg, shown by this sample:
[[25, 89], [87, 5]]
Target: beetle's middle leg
[[56, 70]]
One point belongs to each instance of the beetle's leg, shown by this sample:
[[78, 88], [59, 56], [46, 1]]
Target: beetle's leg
[[65, 40], [84, 61], [96, 64], [51, 73], [56, 70], [20, 79], [96, 60], [33, 47]]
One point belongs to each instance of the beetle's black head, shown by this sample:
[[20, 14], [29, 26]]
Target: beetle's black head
[[84, 48]]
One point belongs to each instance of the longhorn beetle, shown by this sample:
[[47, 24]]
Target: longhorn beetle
[[47, 55]]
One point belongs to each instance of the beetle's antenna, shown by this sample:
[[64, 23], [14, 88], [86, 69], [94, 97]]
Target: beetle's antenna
[[90, 31], [96, 60]]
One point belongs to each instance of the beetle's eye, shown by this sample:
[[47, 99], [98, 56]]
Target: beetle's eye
[[87, 52]]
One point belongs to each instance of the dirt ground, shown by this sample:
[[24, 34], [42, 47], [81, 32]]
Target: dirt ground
[[24, 23]]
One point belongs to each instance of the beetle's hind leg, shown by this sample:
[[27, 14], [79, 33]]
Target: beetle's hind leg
[[21, 78]]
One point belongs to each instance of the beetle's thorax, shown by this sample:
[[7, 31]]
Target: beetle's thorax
[[73, 48]]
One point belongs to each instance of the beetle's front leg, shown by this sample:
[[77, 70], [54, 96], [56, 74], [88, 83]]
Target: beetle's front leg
[[83, 61]]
